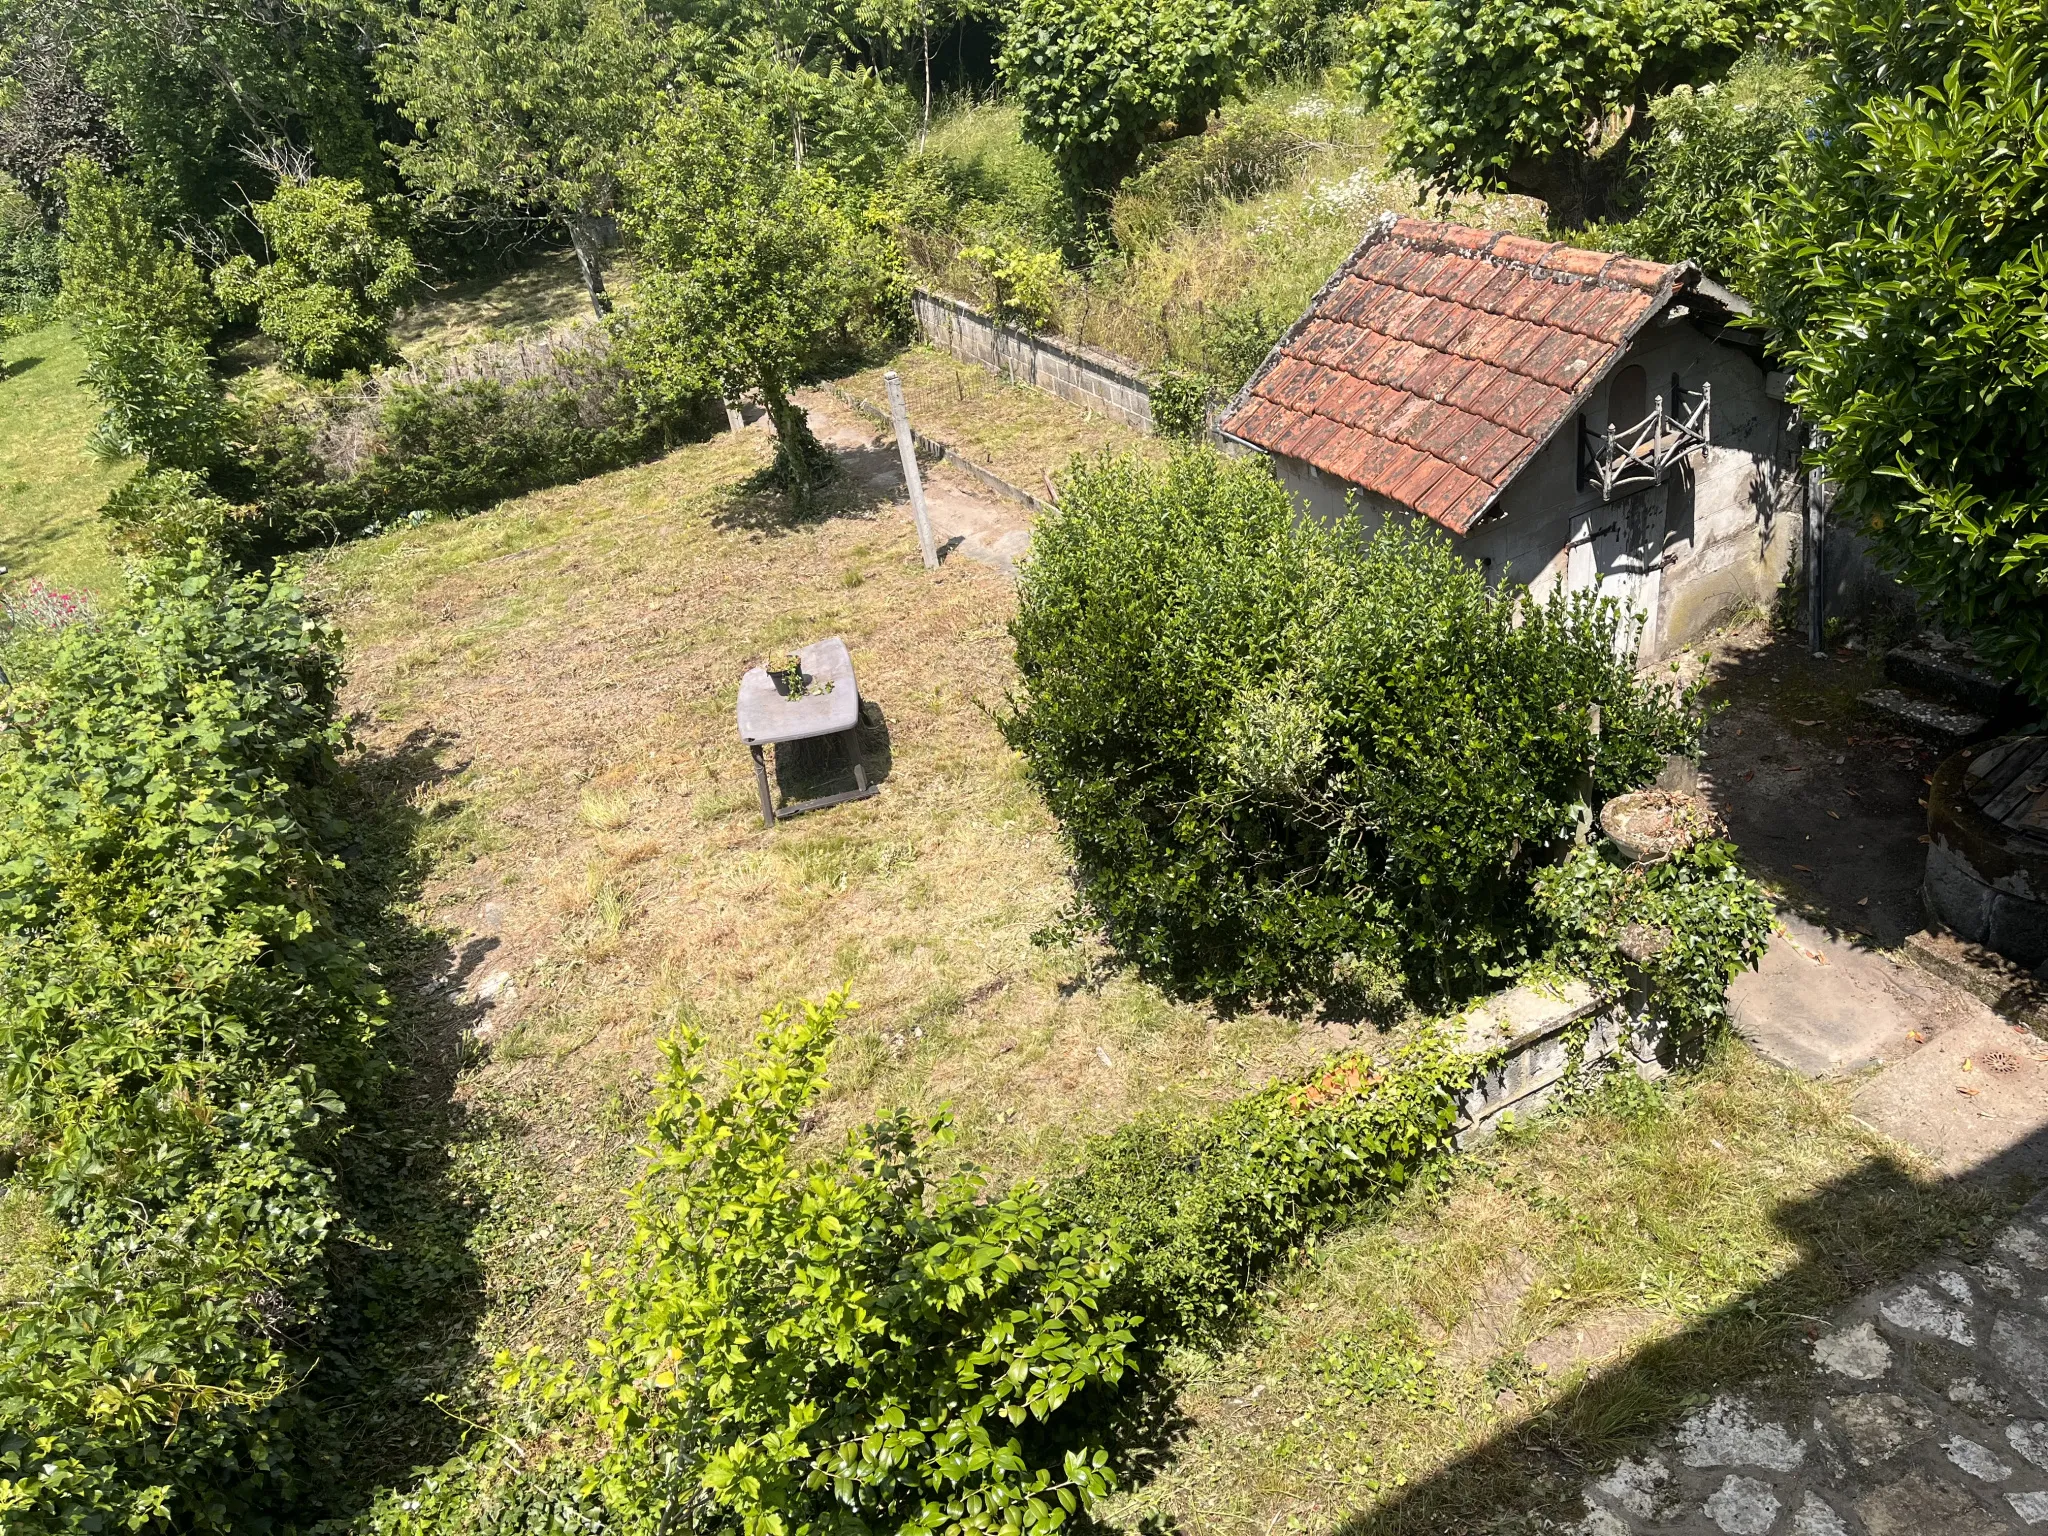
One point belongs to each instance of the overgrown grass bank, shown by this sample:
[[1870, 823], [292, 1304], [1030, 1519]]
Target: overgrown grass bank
[[1551, 1301], [1220, 240]]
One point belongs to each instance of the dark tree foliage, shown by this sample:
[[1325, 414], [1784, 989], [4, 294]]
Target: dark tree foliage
[[1904, 261], [50, 117]]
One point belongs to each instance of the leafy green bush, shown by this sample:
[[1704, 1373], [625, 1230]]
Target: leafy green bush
[[1207, 1207], [179, 1023], [1099, 80], [1707, 151], [1290, 760], [1180, 405], [975, 177], [1708, 923], [29, 274], [334, 278], [852, 1343], [1013, 282], [440, 438], [145, 316], [1902, 265]]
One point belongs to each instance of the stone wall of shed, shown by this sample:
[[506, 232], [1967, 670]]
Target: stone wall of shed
[[1731, 522]]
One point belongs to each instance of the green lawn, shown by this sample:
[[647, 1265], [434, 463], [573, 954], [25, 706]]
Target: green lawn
[[51, 487]]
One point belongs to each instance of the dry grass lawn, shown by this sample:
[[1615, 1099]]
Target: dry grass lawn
[[571, 660], [1019, 433], [555, 680]]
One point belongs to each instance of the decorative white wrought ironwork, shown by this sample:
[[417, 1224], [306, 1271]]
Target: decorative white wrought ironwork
[[1624, 459]]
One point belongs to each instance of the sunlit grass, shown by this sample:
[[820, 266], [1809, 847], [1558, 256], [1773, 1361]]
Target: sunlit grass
[[51, 486]]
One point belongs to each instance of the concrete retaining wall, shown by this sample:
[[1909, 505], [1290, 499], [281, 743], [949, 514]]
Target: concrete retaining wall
[[1102, 382]]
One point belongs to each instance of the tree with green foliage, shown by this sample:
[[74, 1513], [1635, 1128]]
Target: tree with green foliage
[[173, 93], [1903, 263], [145, 316], [334, 278], [1708, 152], [749, 265], [1099, 80], [1543, 97], [530, 104], [1293, 761]]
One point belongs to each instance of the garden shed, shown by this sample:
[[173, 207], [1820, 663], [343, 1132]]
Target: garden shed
[[1569, 416]]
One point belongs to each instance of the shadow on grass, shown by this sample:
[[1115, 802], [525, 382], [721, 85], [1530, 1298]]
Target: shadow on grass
[[862, 482], [407, 1291], [19, 366], [1858, 1232]]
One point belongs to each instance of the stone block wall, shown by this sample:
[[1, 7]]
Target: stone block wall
[[1102, 382]]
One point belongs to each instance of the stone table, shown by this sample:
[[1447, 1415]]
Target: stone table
[[772, 712]]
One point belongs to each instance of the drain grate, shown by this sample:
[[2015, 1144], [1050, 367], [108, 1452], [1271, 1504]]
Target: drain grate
[[1999, 1061]]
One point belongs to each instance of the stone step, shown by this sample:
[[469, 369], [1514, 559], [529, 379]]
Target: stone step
[[1951, 675], [1946, 726]]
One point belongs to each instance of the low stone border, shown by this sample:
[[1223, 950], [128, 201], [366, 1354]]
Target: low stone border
[[931, 449], [1535, 1038]]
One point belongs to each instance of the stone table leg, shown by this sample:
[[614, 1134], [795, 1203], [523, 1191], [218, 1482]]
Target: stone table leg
[[761, 783]]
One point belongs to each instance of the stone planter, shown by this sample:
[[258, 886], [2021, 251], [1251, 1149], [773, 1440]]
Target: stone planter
[[1652, 824], [1987, 854]]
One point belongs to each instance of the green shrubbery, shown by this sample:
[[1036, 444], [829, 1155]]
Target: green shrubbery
[[1207, 1207], [179, 1026], [1902, 263], [1291, 760], [1707, 152], [146, 318], [1698, 920], [335, 276], [857, 1342]]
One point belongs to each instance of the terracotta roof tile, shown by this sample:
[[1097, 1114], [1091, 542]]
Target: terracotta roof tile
[[1565, 258], [1517, 248], [1442, 358], [1646, 275]]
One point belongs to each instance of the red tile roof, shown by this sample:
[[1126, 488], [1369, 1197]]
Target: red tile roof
[[1439, 359]]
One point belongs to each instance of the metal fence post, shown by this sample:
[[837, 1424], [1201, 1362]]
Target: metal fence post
[[906, 446]]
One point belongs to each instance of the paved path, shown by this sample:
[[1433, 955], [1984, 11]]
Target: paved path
[[1962, 1086], [1924, 1413], [966, 520]]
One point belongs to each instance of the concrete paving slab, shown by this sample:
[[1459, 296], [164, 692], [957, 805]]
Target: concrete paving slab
[[1973, 1099], [1826, 1008]]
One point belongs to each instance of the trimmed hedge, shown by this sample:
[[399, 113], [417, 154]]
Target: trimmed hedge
[[1206, 1208], [1292, 760], [179, 1028]]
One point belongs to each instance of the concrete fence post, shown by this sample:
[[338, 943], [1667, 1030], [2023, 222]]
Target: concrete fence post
[[906, 447]]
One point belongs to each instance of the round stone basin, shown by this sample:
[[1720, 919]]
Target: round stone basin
[[1987, 851], [1649, 824]]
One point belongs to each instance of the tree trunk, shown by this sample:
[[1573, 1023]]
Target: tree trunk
[[924, 17], [799, 456], [1581, 185], [583, 234]]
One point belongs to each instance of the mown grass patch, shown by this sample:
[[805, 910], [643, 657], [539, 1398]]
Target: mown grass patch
[[572, 660], [51, 486], [1012, 430]]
